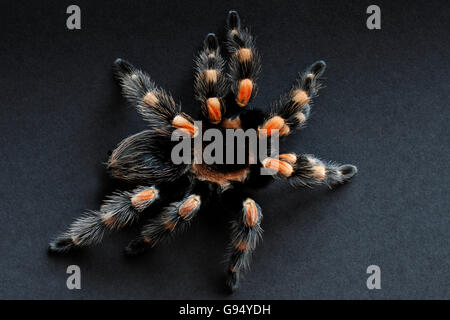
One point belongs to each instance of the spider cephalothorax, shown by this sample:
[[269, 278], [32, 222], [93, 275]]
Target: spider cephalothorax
[[181, 189]]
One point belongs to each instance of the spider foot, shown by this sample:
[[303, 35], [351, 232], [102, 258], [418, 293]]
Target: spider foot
[[232, 281], [122, 66], [347, 172], [233, 20], [211, 42], [61, 245]]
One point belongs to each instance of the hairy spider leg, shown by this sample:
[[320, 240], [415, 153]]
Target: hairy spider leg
[[306, 170], [246, 232], [174, 218], [118, 210], [245, 62], [293, 108], [155, 105], [210, 84]]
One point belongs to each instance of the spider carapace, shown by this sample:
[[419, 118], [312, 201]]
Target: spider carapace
[[173, 193]]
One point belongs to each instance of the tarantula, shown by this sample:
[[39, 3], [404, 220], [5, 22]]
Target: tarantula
[[180, 190]]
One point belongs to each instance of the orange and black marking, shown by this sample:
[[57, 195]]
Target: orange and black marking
[[244, 94], [300, 97], [169, 225], [189, 207], [183, 123], [151, 99], [143, 197], [290, 158], [242, 245], [214, 110], [273, 125], [251, 212], [244, 55], [109, 220], [210, 75], [280, 167]]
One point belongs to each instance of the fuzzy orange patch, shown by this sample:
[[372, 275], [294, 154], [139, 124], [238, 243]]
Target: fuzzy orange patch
[[211, 75], [245, 92], [244, 54], [276, 123], [300, 97], [319, 172], [251, 212], [143, 196], [151, 99], [290, 158], [281, 167], [189, 206], [300, 117], [214, 113], [185, 125]]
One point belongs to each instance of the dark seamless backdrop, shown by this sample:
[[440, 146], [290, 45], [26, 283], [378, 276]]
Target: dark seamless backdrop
[[384, 108]]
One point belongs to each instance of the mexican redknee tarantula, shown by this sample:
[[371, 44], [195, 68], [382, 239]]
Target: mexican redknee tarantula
[[144, 159]]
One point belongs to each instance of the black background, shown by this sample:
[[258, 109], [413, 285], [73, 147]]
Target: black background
[[385, 109]]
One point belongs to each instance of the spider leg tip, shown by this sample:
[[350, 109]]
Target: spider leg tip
[[211, 41], [348, 171], [232, 282], [233, 20], [60, 246], [122, 66], [318, 68], [118, 61]]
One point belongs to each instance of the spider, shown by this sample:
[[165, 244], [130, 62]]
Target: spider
[[178, 191]]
